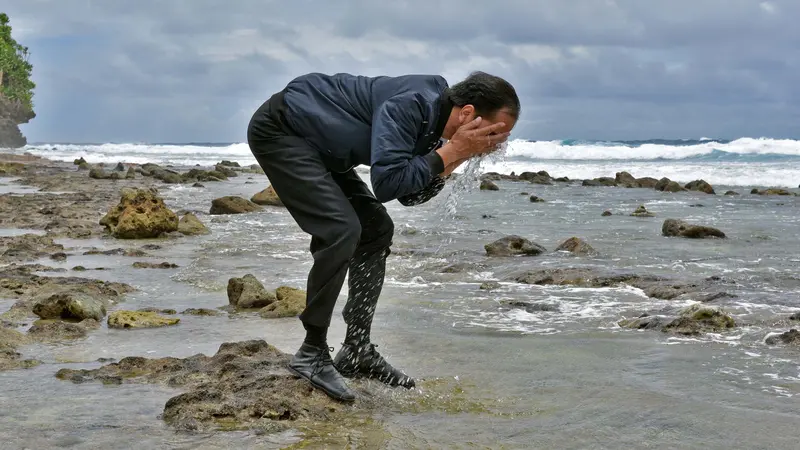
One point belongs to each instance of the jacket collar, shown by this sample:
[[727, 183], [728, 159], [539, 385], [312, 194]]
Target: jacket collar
[[445, 107]]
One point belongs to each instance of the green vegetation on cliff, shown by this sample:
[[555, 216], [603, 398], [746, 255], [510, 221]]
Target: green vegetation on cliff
[[15, 70]]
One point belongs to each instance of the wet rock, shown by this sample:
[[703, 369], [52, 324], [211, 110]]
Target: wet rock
[[27, 247], [541, 177], [606, 213], [226, 163], [56, 330], [228, 172], [513, 245], [654, 287], [700, 186], [488, 185], [203, 175], [795, 316], [79, 161], [291, 302], [641, 211], [698, 319], [190, 225], [731, 193], [267, 197], [71, 306], [198, 185], [644, 323], [130, 252], [562, 179], [754, 191], [602, 181], [535, 199], [11, 168], [667, 185], [626, 180], [158, 310], [791, 337], [140, 214], [679, 228], [462, 267], [84, 166], [647, 182], [533, 307], [139, 319], [248, 293], [120, 167], [524, 193], [697, 205], [149, 265], [773, 191], [577, 246], [60, 256], [131, 174], [244, 385], [233, 205], [9, 358], [201, 312], [490, 285]]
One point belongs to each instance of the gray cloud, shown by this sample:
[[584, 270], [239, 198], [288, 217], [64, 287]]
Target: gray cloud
[[194, 70]]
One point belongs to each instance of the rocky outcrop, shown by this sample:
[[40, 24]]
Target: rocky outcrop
[[791, 337], [244, 385], [13, 114], [70, 305], [679, 228], [27, 247], [140, 214], [512, 246]]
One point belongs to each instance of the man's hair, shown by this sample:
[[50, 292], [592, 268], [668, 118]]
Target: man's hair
[[487, 93]]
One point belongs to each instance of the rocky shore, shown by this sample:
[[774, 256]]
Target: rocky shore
[[12, 115], [244, 385]]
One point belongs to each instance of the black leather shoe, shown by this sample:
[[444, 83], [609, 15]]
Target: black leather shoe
[[354, 361], [315, 365]]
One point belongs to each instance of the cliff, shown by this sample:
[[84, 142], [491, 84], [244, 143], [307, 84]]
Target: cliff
[[12, 114]]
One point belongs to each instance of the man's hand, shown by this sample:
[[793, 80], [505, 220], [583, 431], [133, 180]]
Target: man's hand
[[472, 139]]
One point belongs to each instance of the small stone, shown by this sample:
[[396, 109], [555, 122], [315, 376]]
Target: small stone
[[490, 285], [233, 205], [576, 246], [267, 197], [248, 293], [149, 265], [139, 319], [641, 211], [489, 185], [190, 225], [535, 199]]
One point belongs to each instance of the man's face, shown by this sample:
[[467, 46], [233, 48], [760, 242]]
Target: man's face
[[467, 114]]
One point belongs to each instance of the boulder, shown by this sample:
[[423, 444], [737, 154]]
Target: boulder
[[774, 191], [131, 174], [513, 245], [226, 163], [233, 205], [731, 193], [267, 197], [120, 167], [98, 174], [679, 228], [227, 171], [248, 293], [577, 246], [70, 305], [79, 161], [625, 179], [602, 181], [667, 185], [291, 302], [488, 185], [535, 199], [647, 182], [190, 225], [140, 214], [139, 319], [641, 211], [606, 213], [490, 285], [700, 186]]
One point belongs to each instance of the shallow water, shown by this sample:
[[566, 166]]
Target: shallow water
[[553, 379]]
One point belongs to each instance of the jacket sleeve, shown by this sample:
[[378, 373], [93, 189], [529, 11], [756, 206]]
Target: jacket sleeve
[[395, 171]]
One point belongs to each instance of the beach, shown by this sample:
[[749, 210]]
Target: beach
[[638, 340]]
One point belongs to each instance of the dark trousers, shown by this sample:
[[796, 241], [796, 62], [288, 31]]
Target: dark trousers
[[350, 229]]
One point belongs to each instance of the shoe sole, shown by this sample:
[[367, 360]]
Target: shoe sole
[[316, 385], [371, 376]]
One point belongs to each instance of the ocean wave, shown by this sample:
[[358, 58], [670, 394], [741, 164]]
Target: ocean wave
[[655, 149]]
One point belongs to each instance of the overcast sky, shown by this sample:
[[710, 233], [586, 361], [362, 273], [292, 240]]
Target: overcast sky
[[195, 70]]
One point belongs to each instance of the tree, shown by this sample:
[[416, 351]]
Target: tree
[[15, 68]]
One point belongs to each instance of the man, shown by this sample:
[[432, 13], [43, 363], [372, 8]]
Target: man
[[309, 137]]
